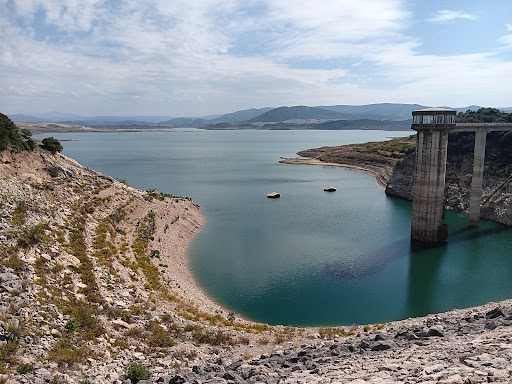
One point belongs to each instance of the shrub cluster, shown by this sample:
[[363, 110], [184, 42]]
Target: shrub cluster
[[11, 136]]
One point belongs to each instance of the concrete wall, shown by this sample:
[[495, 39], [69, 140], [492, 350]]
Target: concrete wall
[[428, 191]]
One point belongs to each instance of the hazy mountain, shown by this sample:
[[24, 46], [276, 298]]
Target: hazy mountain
[[298, 112], [365, 124], [107, 121], [383, 111], [185, 122], [239, 116], [56, 116], [28, 118], [477, 107]]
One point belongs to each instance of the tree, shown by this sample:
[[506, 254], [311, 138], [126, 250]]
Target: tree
[[52, 145], [10, 136]]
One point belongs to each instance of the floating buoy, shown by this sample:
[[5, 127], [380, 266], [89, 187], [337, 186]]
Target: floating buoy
[[273, 195], [330, 188]]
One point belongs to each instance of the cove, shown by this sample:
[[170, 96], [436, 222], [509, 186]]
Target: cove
[[310, 258]]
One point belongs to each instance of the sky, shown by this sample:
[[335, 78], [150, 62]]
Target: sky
[[203, 57]]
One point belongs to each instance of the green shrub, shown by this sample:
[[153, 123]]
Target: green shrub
[[159, 337], [24, 368], [136, 372], [19, 213], [10, 135], [32, 235], [26, 133], [52, 145], [72, 325], [66, 351], [211, 337]]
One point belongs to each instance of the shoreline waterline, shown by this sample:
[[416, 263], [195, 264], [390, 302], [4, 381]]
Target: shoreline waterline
[[300, 261], [375, 171]]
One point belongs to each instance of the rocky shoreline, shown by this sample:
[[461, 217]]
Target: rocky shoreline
[[461, 346], [59, 324]]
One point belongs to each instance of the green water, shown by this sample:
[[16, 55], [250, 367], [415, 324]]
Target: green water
[[310, 257]]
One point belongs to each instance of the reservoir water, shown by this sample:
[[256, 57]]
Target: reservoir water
[[310, 257]]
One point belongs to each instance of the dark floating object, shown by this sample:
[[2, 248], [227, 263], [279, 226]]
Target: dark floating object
[[273, 195], [330, 188]]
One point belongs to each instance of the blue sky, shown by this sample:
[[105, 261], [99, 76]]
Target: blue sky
[[200, 57]]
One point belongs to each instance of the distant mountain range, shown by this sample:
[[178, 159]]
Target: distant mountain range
[[371, 116], [296, 113]]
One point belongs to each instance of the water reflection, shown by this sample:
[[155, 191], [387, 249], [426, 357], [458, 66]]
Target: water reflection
[[425, 262]]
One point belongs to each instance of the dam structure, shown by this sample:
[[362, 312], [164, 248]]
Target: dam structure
[[432, 126]]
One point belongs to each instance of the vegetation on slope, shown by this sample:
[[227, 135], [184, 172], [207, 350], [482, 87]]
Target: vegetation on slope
[[484, 115], [11, 136], [386, 154], [383, 155]]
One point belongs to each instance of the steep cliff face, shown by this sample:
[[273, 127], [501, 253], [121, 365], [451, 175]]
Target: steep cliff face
[[459, 171], [401, 182]]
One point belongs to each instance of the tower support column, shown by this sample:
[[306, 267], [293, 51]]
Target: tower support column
[[429, 181], [478, 176]]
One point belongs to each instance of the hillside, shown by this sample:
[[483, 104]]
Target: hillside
[[381, 111], [93, 276], [378, 158], [384, 116], [95, 289], [389, 125], [240, 116], [292, 113]]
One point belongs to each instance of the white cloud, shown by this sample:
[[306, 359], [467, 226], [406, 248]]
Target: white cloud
[[161, 57], [447, 15], [67, 15], [507, 40], [509, 27]]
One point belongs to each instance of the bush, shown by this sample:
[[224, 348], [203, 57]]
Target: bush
[[72, 325], [136, 372], [52, 145], [32, 235], [66, 351], [159, 337], [24, 368], [26, 133], [10, 136]]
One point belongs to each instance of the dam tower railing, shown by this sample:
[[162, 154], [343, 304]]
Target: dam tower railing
[[432, 126]]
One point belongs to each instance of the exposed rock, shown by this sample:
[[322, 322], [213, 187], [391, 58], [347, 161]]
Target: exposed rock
[[459, 171], [163, 330]]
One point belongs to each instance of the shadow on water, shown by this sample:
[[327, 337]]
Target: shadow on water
[[424, 264], [368, 264], [465, 233]]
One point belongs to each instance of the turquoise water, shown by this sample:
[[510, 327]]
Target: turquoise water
[[310, 257]]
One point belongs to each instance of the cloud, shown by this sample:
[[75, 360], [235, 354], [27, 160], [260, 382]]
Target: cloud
[[157, 56], [66, 15], [509, 27], [447, 15]]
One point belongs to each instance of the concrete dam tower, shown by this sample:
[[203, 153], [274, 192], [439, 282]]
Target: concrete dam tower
[[432, 126]]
